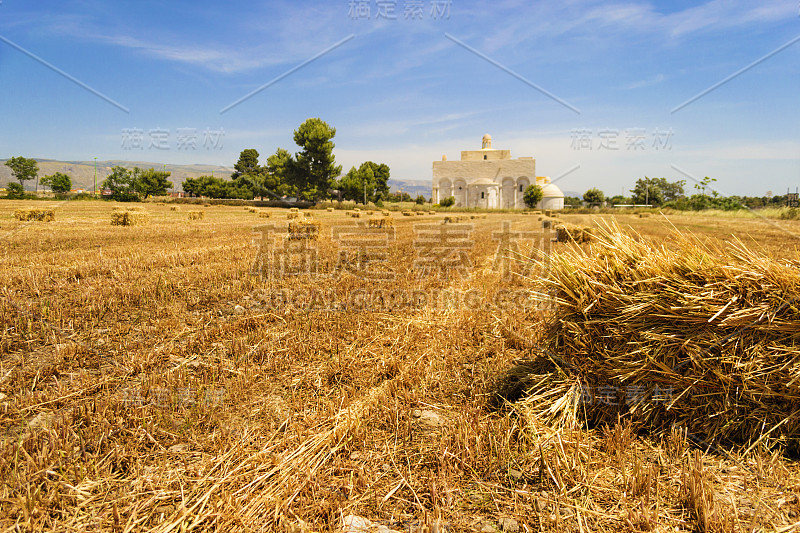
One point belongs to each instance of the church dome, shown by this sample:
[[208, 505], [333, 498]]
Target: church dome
[[551, 191], [486, 142]]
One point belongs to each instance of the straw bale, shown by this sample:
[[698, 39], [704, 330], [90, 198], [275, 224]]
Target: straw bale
[[265, 214], [571, 232], [292, 215], [381, 222], [702, 338], [304, 229], [39, 215], [386, 213], [129, 218], [329, 210], [408, 213], [197, 215]]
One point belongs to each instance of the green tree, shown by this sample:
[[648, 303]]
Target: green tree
[[15, 191], [247, 164], [279, 167], [704, 184], [59, 183], [619, 200], [150, 182], [448, 202], [420, 200], [594, 196], [314, 168], [672, 190], [122, 185], [370, 179], [533, 195], [23, 168], [648, 191], [250, 175]]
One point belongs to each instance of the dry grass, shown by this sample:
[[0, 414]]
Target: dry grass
[[151, 383]]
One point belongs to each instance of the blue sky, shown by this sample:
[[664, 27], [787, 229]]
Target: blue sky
[[401, 91]]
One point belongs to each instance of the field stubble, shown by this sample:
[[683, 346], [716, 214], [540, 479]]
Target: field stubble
[[144, 385]]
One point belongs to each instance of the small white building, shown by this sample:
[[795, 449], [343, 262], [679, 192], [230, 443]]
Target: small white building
[[490, 178]]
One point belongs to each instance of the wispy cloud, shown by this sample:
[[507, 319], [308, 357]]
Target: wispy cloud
[[648, 82]]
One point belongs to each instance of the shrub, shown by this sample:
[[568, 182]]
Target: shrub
[[15, 191], [448, 202]]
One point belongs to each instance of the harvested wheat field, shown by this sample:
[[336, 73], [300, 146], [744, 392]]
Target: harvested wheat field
[[420, 376]]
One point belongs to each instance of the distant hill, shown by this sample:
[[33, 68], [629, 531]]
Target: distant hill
[[82, 172], [412, 187]]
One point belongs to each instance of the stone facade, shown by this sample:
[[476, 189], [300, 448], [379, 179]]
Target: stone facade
[[488, 178]]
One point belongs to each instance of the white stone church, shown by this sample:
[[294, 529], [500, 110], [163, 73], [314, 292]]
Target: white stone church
[[489, 178]]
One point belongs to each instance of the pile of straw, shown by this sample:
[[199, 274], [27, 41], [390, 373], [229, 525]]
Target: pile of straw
[[304, 229], [329, 210], [292, 215], [39, 215], [265, 214], [173, 208], [197, 215], [452, 219], [386, 213], [699, 337], [132, 216], [251, 209], [571, 232], [408, 213]]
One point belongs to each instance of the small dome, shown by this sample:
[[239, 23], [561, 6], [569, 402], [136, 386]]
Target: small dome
[[487, 137], [444, 157], [486, 142], [551, 191]]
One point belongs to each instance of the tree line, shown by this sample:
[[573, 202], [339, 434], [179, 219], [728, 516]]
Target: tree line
[[658, 192], [309, 174]]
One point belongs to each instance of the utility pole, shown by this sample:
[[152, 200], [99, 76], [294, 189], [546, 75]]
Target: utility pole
[[95, 177]]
